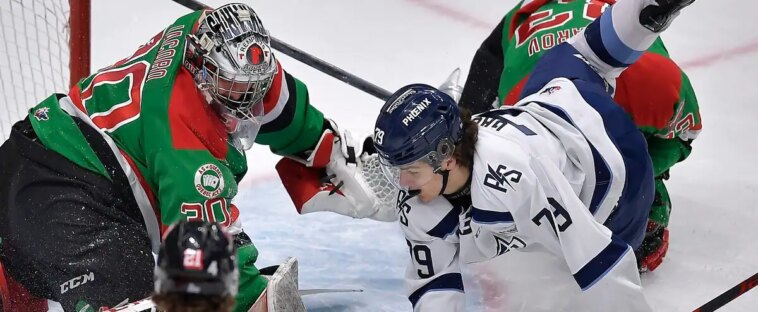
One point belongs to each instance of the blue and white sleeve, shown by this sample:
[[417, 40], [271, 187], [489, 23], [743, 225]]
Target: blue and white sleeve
[[615, 40], [503, 190]]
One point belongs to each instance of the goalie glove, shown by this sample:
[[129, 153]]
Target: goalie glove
[[340, 175]]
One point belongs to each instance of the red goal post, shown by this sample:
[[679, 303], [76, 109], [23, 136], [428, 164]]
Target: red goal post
[[44, 48]]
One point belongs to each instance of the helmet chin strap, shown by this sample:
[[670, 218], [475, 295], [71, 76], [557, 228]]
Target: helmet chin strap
[[444, 173], [445, 176]]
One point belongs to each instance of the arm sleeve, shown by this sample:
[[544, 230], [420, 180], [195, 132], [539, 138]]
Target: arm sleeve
[[603, 265], [668, 113], [501, 192], [665, 153], [291, 124], [674, 143], [532, 200], [483, 78], [483, 81]]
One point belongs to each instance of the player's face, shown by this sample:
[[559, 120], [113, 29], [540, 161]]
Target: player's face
[[420, 176], [233, 90], [416, 175]]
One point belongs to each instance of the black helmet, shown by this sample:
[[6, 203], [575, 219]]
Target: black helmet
[[197, 258]]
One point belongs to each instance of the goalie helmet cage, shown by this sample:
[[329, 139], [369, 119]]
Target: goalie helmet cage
[[44, 48]]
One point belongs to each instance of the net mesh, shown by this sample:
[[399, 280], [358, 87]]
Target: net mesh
[[384, 190], [34, 55]]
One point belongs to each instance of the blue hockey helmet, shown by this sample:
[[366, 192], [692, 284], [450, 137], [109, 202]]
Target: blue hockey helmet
[[418, 122]]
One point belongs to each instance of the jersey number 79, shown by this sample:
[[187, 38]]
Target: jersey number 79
[[422, 256], [551, 216]]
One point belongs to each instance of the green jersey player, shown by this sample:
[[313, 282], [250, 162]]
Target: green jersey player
[[90, 180]]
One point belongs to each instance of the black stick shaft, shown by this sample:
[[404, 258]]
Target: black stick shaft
[[193, 5], [311, 60], [330, 69], [729, 295]]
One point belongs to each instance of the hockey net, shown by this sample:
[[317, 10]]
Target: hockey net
[[44, 46], [385, 192]]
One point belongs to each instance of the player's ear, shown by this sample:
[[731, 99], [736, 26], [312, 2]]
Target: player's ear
[[449, 163]]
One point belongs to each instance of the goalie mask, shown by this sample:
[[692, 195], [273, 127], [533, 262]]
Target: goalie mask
[[417, 128], [197, 258], [231, 60]]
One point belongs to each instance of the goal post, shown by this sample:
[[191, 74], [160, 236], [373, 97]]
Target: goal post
[[79, 21], [44, 48]]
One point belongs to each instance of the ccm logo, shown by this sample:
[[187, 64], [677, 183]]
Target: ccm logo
[[77, 281]]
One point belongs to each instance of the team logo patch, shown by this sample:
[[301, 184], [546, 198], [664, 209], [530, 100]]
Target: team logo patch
[[501, 177], [402, 207], [209, 181], [254, 54], [41, 113], [551, 90], [193, 259], [507, 244]]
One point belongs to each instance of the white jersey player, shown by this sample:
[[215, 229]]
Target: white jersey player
[[564, 172]]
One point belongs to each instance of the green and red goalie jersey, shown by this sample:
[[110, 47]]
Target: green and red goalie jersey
[[655, 92], [169, 142]]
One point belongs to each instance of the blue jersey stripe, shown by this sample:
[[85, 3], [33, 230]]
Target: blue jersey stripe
[[448, 225], [629, 217], [613, 44], [498, 115], [602, 180], [490, 217], [596, 40], [594, 270], [449, 281], [602, 172]]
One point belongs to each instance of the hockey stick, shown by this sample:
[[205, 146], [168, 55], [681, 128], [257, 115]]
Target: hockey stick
[[311, 60], [271, 270], [316, 291], [729, 295]]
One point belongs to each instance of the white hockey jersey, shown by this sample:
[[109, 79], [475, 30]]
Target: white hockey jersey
[[545, 177]]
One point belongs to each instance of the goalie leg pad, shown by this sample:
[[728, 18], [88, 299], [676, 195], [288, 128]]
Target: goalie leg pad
[[281, 294]]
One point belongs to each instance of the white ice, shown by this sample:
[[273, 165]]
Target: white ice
[[396, 42]]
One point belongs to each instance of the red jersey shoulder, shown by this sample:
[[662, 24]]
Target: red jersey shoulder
[[193, 123]]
